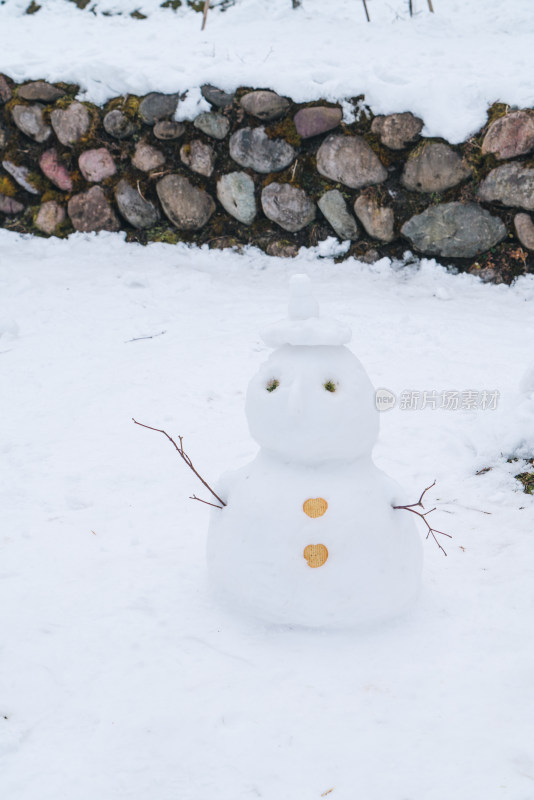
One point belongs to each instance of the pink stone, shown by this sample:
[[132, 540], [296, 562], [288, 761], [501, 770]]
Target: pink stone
[[524, 227], [316, 119], [50, 215], [511, 135], [9, 206], [55, 171], [95, 165]]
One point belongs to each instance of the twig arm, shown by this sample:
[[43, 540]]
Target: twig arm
[[423, 516], [183, 455]]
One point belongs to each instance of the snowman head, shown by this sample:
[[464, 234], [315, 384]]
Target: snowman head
[[312, 400]]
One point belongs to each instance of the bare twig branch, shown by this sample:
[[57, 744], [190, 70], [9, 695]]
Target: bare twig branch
[[140, 338], [200, 500], [431, 7], [184, 457], [431, 531], [205, 13], [366, 10]]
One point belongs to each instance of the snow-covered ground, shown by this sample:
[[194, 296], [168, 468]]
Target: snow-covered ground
[[119, 677], [447, 67]]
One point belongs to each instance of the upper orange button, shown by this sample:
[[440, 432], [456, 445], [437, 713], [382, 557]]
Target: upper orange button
[[315, 507]]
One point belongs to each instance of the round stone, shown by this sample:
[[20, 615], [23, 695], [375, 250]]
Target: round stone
[[235, 193], [90, 211], [378, 220], [289, 207], [198, 156], [10, 206], [252, 148], [315, 120], [264, 105], [187, 207], [524, 228], [49, 216], [40, 90], [118, 125], [396, 131], [133, 207], [96, 165], [349, 160], [215, 125], [434, 168], [71, 124], [457, 230], [512, 185], [156, 106], [167, 129], [22, 175], [334, 208], [216, 96], [55, 171], [147, 158], [29, 120], [511, 135]]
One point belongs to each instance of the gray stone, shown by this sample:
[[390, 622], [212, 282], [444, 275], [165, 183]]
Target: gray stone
[[3, 137], [396, 131], [118, 125], [377, 220], [5, 92], [235, 192], [434, 168], [334, 208], [252, 148], [511, 185], [264, 105], [315, 120], [50, 215], [289, 207], [40, 90], [156, 106], [71, 124], [55, 171], [349, 160], [29, 119], [216, 96], [146, 158], [198, 156], [134, 208], [10, 206], [456, 230], [21, 175], [96, 165], [281, 249], [524, 228], [511, 135], [215, 125], [167, 129], [187, 207], [91, 211]]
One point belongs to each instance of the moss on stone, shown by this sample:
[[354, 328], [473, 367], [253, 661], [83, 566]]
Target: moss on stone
[[7, 186], [284, 129]]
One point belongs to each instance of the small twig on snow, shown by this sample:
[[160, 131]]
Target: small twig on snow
[[366, 10], [184, 457], [431, 7], [140, 338], [423, 516]]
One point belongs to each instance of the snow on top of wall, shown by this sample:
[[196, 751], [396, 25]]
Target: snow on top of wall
[[447, 67]]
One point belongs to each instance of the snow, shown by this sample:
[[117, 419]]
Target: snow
[[447, 67], [120, 677]]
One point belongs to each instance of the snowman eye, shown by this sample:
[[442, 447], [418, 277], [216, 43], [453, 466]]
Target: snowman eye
[[330, 386], [272, 385]]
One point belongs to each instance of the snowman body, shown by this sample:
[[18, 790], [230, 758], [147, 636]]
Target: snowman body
[[309, 535]]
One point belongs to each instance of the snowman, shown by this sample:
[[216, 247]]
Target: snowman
[[308, 535]]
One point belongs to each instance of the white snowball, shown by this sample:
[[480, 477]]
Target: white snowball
[[300, 420]]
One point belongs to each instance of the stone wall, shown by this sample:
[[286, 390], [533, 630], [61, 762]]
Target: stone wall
[[259, 168]]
